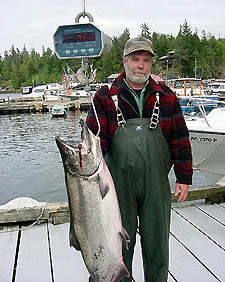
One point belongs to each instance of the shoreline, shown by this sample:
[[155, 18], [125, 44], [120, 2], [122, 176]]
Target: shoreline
[[15, 91]]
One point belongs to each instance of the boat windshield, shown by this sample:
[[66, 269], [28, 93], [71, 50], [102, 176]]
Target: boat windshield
[[179, 84], [39, 90], [196, 84], [188, 84]]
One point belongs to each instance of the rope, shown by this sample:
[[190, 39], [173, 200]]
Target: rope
[[37, 221], [96, 116]]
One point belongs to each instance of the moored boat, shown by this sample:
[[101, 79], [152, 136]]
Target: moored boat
[[192, 104], [207, 136], [58, 110], [216, 87], [188, 88], [45, 91]]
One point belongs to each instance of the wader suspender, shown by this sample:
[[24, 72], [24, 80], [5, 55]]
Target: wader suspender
[[120, 119], [155, 114], [154, 118]]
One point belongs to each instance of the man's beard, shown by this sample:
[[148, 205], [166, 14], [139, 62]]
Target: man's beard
[[135, 78]]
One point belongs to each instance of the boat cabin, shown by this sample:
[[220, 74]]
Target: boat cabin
[[186, 86], [26, 90]]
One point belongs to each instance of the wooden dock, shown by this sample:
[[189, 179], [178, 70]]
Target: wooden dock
[[38, 250], [30, 105], [42, 253]]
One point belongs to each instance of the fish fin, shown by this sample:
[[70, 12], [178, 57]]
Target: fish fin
[[123, 272], [91, 279], [125, 237], [104, 188], [73, 238]]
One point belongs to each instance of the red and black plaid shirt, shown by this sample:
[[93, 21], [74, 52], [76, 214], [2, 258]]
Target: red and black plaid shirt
[[171, 120]]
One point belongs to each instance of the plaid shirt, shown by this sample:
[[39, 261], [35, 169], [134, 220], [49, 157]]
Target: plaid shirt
[[171, 121]]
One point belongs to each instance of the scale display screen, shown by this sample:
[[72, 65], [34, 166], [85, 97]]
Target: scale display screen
[[78, 37], [80, 40]]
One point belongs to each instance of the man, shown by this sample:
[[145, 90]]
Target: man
[[143, 133]]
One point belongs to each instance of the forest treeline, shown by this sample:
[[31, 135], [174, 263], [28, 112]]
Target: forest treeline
[[22, 68]]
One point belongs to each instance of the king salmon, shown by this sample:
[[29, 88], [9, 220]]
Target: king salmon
[[95, 221]]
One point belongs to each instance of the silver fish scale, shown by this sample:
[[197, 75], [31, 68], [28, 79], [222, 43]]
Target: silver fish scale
[[97, 224]]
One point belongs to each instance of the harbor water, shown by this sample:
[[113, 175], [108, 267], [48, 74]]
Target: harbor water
[[30, 163]]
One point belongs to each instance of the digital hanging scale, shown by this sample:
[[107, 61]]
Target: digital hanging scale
[[81, 40]]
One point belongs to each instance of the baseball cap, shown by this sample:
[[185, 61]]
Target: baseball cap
[[138, 44]]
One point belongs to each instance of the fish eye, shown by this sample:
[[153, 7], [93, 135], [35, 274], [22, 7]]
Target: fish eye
[[70, 152]]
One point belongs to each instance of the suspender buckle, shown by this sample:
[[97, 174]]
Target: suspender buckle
[[120, 119], [155, 114]]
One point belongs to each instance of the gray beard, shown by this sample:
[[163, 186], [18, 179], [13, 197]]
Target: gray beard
[[135, 79]]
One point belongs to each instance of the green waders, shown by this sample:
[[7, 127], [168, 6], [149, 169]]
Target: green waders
[[139, 162]]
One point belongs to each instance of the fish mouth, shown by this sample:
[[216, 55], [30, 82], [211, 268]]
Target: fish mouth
[[79, 151], [67, 143]]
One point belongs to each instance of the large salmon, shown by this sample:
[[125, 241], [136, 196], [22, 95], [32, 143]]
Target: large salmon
[[95, 221]]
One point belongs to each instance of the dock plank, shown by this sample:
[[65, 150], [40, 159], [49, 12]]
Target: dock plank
[[184, 266], [33, 259], [209, 226], [138, 272], [170, 278], [67, 262], [216, 211], [199, 245], [193, 255], [7, 252], [72, 263]]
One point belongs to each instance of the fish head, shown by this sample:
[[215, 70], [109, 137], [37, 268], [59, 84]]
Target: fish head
[[81, 158]]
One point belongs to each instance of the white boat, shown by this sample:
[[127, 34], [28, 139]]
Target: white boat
[[53, 89], [58, 110], [76, 93], [188, 88], [35, 92], [216, 87], [46, 92], [207, 136], [192, 104]]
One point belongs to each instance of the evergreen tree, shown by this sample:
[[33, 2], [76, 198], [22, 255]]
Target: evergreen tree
[[23, 68]]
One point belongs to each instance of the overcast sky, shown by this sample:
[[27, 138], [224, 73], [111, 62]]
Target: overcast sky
[[33, 23]]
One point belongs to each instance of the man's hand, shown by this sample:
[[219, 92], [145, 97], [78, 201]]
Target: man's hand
[[183, 190]]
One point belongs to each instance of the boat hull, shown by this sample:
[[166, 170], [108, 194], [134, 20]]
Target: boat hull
[[193, 104], [208, 150]]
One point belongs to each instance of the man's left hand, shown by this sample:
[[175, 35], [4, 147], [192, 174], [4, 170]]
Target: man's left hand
[[183, 190]]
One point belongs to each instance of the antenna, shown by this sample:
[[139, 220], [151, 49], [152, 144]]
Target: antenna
[[84, 5]]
